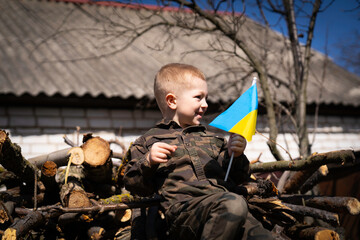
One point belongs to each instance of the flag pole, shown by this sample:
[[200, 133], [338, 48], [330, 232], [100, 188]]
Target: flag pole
[[228, 169], [232, 154]]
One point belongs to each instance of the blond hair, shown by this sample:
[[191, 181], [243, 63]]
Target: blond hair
[[171, 78]]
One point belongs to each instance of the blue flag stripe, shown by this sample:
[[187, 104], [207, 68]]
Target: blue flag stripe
[[246, 103]]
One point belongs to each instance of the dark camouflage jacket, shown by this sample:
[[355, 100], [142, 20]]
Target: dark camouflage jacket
[[197, 167]]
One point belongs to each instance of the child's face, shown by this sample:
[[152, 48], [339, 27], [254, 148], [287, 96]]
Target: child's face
[[191, 102]]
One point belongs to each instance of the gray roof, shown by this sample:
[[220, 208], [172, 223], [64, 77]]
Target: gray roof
[[50, 48]]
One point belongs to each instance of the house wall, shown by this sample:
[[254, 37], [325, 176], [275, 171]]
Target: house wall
[[40, 130]]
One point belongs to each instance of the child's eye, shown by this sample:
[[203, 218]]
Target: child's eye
[[198, 97]]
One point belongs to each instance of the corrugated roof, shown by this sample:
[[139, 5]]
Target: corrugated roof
[[62, 48]]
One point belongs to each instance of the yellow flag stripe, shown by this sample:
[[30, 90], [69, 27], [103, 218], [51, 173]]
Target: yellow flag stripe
[[246, 126]]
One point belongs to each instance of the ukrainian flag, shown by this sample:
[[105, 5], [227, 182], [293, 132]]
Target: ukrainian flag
[[241, 116]]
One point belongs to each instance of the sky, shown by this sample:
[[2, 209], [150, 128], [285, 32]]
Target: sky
[[335, 27]]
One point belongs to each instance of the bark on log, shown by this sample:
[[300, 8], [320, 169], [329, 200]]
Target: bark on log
[[96, 233], [335, 172], [24, 225], [12, 159], [6, 210], [98, 165], [332, 204], [262, 187], [303, 232], [72, 193], [314, 161], [9, 179], [274, 211], [326, 216], [59, 157], [144, 203], [297, 179], [48, 173]]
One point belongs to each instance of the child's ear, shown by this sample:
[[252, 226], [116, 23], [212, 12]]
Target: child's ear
[[171, 100]]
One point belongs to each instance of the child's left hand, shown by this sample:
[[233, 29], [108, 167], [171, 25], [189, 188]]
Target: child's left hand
[[236, 144]]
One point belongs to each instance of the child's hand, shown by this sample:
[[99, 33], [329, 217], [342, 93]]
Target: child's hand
[[160, 152], [236, 144]]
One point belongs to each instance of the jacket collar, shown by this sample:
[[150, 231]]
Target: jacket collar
[[171, 124]]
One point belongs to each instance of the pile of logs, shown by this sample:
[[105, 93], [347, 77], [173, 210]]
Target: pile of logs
[[77, 193]]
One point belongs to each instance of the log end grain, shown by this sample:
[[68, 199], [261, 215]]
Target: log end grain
[[9, 234], [49, 169], [78, 199], [353, 206], [76, 155], [96, 151], [327, 234]]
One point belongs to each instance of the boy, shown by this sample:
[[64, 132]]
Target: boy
[[184, 163]]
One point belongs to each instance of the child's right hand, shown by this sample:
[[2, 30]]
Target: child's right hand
[[160, 152]]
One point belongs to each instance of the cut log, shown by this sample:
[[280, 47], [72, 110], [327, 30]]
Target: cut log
[[22, 226], [98, 165], [76, 155], [9, 179], [96, 151], [276, 205], [303, 232], [262, 187], [60, 157], [6, 210], [100, 174], [274, 211], [335, 172], [326, 216], [314, 161], [72, 194], [12, 159], [332, 204], [295, 183], [96, 233], [297, 180], [78, 198]]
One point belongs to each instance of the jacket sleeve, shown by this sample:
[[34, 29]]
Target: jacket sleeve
[[138, 177]]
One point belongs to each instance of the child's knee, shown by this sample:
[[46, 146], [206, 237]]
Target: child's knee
[[237, 206]]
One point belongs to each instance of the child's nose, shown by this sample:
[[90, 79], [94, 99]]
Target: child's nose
[[204, 104]]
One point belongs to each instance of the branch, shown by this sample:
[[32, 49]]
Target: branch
[[314, 161]]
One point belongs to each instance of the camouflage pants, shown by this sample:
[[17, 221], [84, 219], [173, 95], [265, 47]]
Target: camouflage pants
[[221, 215]]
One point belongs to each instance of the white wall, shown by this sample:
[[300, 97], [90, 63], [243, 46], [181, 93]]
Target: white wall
[[41, 130]]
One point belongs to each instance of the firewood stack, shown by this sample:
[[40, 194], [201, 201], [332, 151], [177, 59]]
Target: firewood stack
[[78, 193]]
